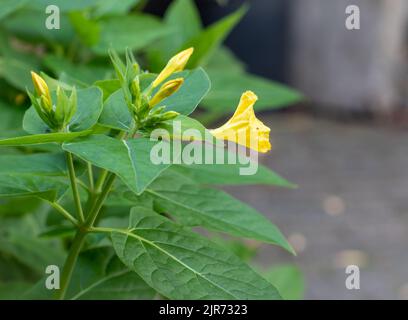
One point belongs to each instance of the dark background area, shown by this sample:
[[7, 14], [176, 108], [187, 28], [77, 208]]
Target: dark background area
[[264, 29]]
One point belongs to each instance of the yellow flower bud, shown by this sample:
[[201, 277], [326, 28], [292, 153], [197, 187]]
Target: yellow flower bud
[[175, 64], [166, 90], [244, 128], [42, 89]]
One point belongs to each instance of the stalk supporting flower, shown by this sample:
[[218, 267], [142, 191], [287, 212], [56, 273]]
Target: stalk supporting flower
[[175, 64], [244, 128]]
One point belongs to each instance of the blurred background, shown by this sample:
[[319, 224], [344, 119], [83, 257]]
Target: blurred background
[[345, 143], [346, 146]]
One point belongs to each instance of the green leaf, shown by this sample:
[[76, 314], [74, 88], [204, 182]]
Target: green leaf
[[108, 86], [43, 138], [182, 128], [183, 18], [99, 274], [16, 72], [289, 280], [134, 31], [129, 159], [64, 5], [39, 164], [87, 30], [213, 209], [209, 40], [180, 264], [86, 73], [87, 114], [196, 84], [115, 113], [225, 60], [112, 7], [10, 120], [25, 184], [9, 6], [21, 242], [229, 174], [29, 24], [227, 87], [13, 290]]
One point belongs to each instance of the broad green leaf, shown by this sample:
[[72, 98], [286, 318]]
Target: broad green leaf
[[115, 113], [64, 5], [182, 128], [108, 86], [13, 290], [183, 18], [210, 208], [130, 159], [19, 206], [87, 30], [26, 184], [112, 7], [9, 6], [21, 242], [209, 40], [39, 164], [225, 60], [134, 31], [227, 88], [86, 73], [229, 174], [180, 264], [196, 84], [288, 279], [16, 72], [43, 138], [99, 274], [10, 120], [88, 111], [30, 25]]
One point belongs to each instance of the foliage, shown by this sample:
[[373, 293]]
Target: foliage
[[78, 187]]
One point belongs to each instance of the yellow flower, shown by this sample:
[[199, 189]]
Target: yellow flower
[[166, 90], [244, 128], [175, 64], [42, 89]]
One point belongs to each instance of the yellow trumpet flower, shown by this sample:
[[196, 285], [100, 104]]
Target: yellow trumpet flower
[[41, 88], [244, 128], [166, 90], [175, 64]]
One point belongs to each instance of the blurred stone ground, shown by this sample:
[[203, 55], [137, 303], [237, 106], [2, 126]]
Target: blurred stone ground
[[351, 206]]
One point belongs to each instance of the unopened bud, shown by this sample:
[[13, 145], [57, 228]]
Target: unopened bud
[[175, 64], [166, 90], [42, 90], [169, 115]]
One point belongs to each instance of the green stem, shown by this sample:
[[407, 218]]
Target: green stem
[[90, 176], [101, 181], [64, 212], [70, 262], [91, 218], [75, 192], [103, 230]]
